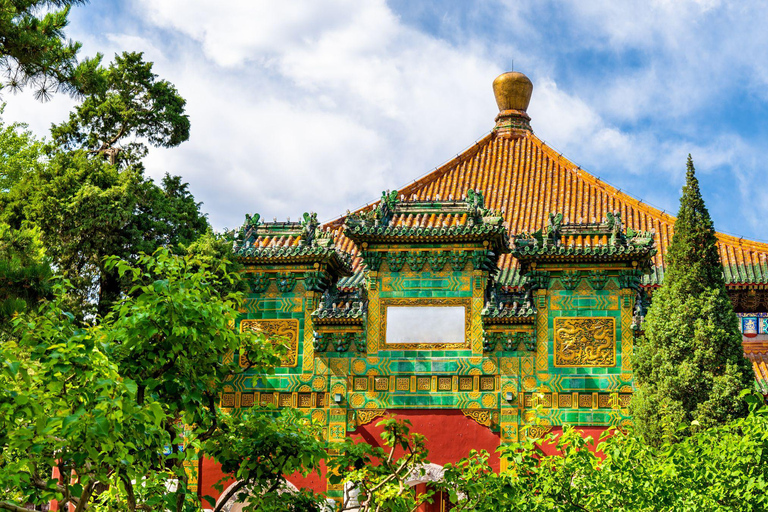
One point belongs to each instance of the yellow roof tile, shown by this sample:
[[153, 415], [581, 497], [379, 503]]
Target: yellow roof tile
[[528, 180]]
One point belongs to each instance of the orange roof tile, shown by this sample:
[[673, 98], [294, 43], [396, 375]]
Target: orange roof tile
[[527, 180]]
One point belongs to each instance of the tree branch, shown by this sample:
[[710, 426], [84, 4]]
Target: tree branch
[[4, 505], [85, 497], [212, 406], [130, 496]]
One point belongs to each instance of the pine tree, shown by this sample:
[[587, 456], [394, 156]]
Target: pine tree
[[689, 365]]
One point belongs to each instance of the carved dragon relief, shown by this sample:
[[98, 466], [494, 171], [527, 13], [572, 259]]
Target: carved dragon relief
[[585, 341], [287, 329]]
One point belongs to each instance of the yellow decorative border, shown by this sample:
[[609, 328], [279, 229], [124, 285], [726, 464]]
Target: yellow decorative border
[[288, 328], [427, 302]]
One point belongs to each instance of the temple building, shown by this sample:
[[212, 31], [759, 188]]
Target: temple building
[[497, 297]]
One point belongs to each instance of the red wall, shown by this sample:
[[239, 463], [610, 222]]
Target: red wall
[[593, 432], [450, 437]]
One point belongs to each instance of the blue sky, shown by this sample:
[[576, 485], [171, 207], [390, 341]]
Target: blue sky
[[308, 105]]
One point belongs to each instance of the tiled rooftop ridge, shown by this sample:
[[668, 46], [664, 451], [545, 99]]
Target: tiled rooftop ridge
[[258, 241], [527, 180]]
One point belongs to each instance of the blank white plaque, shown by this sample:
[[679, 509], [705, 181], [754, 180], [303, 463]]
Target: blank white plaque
[[425, 324]]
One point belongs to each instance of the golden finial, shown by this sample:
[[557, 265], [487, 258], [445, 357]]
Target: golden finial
[[513, 91], [513, 94]]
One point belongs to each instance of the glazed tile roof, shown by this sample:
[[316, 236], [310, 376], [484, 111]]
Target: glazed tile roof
[[527, 180], [757, 353]]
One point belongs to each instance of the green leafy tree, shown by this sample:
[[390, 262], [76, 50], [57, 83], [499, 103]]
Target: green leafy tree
[[718, 469], [20, 154], [87, 207], [34, 49], [689, 365], [128, 104], [376, 478], [121, 407], [88, 210], [258, 448], [25, 273]]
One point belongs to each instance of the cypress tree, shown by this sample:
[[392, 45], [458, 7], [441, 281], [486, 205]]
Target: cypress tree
[[689, 364]]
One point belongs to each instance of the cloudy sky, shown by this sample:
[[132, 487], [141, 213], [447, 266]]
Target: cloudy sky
[[320, 105]]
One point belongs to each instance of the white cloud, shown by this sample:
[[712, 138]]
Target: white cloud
[[321, 117], [307, 105]]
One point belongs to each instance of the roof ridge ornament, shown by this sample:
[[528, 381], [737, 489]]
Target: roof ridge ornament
[[513, 94], [607, 240]]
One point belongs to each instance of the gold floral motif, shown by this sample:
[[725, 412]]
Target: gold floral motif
[[509, 433], [356, 400], [365, 416], [585, 341], [318, 416], [481, 416], [489, 401], [287, 329], [358, 366], [318, 383], [529, 383], [340, 367], [510, 366], [489, 366]]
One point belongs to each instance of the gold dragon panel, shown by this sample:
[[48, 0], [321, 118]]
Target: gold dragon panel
[[582, 342], [284, 329]]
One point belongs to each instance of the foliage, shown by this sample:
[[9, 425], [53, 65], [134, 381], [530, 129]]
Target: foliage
[[120, 407], [689, 365], [25, 272], [129, 104], [20, 153], [377, 476], [211, 247], [34, 50], [718, 469], [88, 210], [258, 449]]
